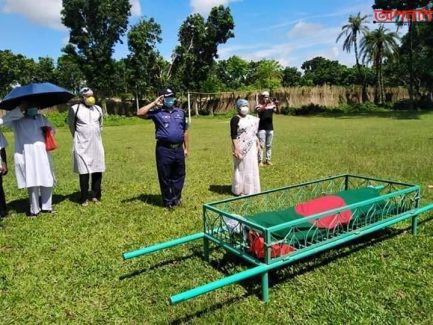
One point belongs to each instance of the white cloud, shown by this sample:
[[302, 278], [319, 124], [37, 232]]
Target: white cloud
[[303, 29], [41, 12], [203, 7], [47, 12], [135, 8], [304, 41]]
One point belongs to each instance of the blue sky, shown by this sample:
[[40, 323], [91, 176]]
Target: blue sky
[[289, 31]]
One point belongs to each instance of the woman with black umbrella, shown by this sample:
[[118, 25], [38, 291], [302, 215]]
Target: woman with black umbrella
[[33, 168]]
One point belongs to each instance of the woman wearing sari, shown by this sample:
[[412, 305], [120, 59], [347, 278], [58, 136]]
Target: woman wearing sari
[[245, 144]]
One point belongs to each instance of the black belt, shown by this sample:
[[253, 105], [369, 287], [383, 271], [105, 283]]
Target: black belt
[[169, 145]]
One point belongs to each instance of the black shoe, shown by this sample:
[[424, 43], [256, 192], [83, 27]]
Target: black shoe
[[32, 215], [48, 211]]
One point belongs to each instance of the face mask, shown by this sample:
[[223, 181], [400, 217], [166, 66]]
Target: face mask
[[32, 111], [169, 102], [244, 110], [89, 101]]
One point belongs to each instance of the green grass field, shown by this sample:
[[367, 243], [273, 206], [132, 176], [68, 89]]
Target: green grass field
[[67, 267]]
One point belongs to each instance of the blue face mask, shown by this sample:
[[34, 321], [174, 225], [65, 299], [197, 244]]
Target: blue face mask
[[32, 111], [169, 102]]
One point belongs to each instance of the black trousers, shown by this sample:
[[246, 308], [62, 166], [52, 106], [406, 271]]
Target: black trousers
[[2, 199], [95, 186], [170, 164]]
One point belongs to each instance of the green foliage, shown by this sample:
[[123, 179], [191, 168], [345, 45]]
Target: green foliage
[[291, 77], [68, 73], [233, 72], [199, 40], [142, 63], [59, 120], [267, 74], [319, 71], [14, 68], [376, 46], [95, 27]]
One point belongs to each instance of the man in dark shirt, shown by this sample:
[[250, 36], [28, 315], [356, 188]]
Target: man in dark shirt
[[265, 110], [172, 142]]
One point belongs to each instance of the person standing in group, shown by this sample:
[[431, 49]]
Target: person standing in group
[[33, 167], [3, 172], [265, 110], [85, 121], [172, 145], [245, 144]]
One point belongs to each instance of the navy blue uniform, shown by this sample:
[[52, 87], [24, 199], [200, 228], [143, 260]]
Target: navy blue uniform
[[170, 127]]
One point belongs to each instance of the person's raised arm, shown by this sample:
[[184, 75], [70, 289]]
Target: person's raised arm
[[143, 111]]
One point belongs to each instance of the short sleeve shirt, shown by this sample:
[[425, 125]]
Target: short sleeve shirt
[[170, 125]]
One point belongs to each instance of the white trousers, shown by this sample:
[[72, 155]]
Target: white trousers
[[45, 194]]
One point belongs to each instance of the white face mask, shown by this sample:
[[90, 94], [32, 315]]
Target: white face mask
[[244, 110]]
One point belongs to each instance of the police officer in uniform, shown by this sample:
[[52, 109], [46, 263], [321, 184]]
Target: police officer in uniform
[[172, 143]]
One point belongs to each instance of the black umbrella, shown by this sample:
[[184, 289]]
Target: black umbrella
[[44, 94]]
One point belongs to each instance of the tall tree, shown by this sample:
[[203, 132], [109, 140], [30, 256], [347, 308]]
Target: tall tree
[[319, 71], [291, 77], [95, 27], [45, 70], [14, 69], [350, 32], [195, 56], [376, 46], [68, 73], [143, 58], [233, 72], [268, 74]]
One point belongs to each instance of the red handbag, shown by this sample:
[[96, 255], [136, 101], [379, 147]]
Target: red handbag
[[50, 141], [257, 246]]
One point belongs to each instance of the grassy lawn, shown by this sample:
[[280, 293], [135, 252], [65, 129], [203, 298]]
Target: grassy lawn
[[68, 267]]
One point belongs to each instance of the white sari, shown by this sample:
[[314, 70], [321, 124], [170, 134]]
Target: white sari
[[246, 179]]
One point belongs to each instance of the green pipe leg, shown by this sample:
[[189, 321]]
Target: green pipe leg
[[206, 248], [265, 287], [414, 225]]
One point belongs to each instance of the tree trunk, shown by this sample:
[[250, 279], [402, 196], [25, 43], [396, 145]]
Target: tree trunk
[[104, 105], [377, 84], [411, 66], [361, 76]]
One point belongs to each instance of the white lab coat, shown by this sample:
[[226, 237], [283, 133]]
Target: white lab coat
[[33, 166], [88, 151]]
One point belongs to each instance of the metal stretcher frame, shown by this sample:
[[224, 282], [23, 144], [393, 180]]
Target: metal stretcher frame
[[225, 224]]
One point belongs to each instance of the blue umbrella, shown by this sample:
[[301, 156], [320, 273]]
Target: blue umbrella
[[44, 94]]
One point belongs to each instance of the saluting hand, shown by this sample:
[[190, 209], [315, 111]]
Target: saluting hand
[[159, 101]]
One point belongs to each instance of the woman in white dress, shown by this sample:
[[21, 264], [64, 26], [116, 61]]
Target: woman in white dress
[[85, 123], [33, 167], [245, 144]]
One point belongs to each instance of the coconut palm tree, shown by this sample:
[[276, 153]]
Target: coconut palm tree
[[376, 46], [351, 31]]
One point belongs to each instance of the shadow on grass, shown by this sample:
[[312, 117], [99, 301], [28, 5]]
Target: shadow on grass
[[159, 265], [290, 271], [221, 189], [22, 205], [152, 199]]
